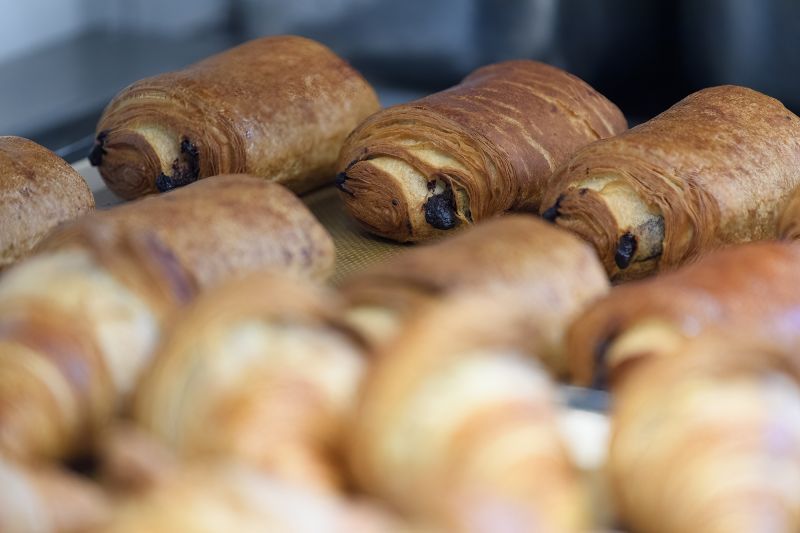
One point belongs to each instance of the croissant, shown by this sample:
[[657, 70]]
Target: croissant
[[38, 191], [456, 424], [487, 145], [233, 498], [264, 363], [276, 107], [80, 319], [716, 168], [708, 441], [557, 274], [39, 499], [747, 288]]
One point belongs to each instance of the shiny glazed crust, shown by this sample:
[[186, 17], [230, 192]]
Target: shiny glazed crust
[[485, 146], [38, 191], [716, 168], [276, 107]]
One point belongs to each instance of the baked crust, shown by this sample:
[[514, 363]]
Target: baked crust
[[484, 146], [38, 191], [716, 168], [276, 107]]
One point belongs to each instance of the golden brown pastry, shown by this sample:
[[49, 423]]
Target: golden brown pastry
[[225, 225], [716, 168], [708, 441], [222, 498], [262, 361], [789, 220], [457, 424], [276, 107], [485, 146], [47, 500], [80, 319], [38, 191], [749, 289], [556, 274]]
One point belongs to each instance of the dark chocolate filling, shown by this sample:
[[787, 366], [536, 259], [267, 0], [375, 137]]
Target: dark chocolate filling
[[185, 169], [339, 183], [98, 149], [551, 213], [440, 210], [626, 248]]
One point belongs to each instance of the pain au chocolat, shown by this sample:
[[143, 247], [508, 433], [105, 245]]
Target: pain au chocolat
[[716, 168], [276, 107], [485, 146]]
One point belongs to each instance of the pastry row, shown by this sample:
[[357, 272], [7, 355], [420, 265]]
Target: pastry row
[[718, 168]]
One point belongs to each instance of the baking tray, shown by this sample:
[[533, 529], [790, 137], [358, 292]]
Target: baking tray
[[584, 425]]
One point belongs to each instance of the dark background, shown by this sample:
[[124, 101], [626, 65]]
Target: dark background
[[643, 54]]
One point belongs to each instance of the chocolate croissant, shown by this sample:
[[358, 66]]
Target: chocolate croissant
[[234, 498], [556, 273], [276, 107], [716, 168], [747, 288], [80, 319], [264, 362], [708, 440], [485, 146], [457, 424], [38, 191], [45, 499]]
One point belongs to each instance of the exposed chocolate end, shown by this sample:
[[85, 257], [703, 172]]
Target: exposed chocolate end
[[551, 213], [185, 169], [600, 375], [440, 210], [339, 183], [626, 248], [98, 149]]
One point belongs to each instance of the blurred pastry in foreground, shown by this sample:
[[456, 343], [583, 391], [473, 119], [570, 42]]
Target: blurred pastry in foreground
[[225, 226], [708, 440], [220, 498], [485, 146], [554, 274], [716, 168], [81, 319], [749, 289], [48, 500], [277, 107], [265, 362], [38, 191], [457, 424]]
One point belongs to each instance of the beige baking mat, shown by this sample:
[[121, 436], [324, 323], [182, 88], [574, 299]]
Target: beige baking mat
[[355, 249]]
